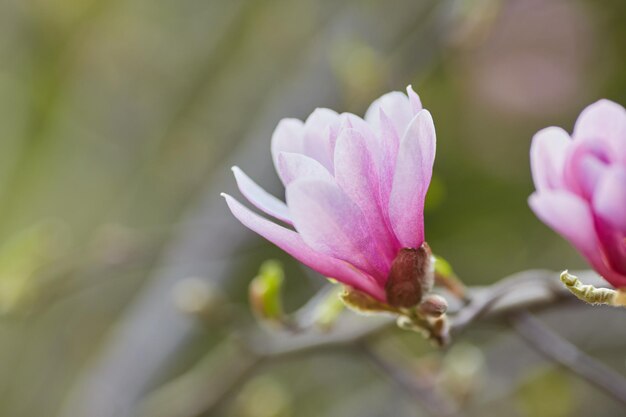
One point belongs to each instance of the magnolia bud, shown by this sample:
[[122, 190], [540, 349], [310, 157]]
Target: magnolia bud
[[591, 294], [411, 277], [433, 305]]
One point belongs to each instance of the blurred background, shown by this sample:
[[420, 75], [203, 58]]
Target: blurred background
[[123, 277]]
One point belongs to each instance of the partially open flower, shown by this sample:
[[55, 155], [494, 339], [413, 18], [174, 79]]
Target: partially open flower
[[581, 186], [355, 191]]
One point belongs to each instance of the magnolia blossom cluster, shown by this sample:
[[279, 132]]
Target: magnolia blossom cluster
[[581, 186], [355, 190]]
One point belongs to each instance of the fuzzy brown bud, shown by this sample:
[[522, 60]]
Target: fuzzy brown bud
[[433, 305], [411, 277]]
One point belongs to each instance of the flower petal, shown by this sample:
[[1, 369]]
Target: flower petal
[[292, 166], [329, 222], [609, 198], [292, 243], [583, 169], [261, 198], [357, 175], [287, 137], [320, 133], [570, 216], [604, 121], [414, 99], [547, 157], [397, 107], [411, 179]]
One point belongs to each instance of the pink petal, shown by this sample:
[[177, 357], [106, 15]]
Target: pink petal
[[381, 148], [397, 107], [352, 121], [414, 99], [604, 121], [583, 169], [411, 180], [261, 198], [570, 216], [292, 166], [547, 157], [329, 222], [292, 243], [287, 137], [357, 175], [320, 133], [609, 199], [389, 143], [613, 278], [613, 244]]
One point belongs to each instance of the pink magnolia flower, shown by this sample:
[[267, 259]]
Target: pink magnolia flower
[[581, 186], [355, 191]]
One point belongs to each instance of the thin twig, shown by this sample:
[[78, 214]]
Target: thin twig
[[555, 348], [522, 291], [527, 289], [418, 389]]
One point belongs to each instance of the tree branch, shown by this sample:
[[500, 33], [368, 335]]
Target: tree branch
[[517, 293], [521, 291], [556, 348], [418, 388]]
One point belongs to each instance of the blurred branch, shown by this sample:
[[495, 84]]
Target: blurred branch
[[514, 294], [556, 348], [525, 290], [419, 389], [201, 392]]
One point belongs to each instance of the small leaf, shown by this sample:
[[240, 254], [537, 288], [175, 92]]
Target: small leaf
[[265, 292]]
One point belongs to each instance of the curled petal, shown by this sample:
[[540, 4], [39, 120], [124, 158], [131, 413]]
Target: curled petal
[[292, 243], [414, 100], [261, 198], [293, 166], [411, 179], [330, 223], [547, 157]]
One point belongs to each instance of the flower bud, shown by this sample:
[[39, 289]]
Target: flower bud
[[411, 277], [355, 191], [433, 305]]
